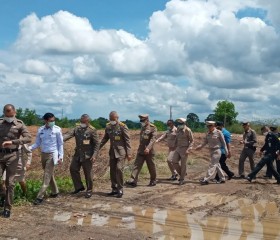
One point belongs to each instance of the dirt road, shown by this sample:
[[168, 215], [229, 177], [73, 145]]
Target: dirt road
[[235, 210]]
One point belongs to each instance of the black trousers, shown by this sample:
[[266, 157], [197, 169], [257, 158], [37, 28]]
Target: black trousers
[[224, 167], [269, 171], [267, 159]]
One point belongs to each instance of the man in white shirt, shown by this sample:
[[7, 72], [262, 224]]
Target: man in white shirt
[[49, 139]]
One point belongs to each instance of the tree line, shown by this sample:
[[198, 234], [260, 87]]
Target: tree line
[[224, 112]]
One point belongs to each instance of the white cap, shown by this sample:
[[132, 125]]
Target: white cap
[[208, 123], [182, 120]]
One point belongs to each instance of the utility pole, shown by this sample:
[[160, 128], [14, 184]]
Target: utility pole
[[170, 116], [62, 113]]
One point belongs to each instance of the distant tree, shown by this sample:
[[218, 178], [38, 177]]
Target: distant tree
[[66, 123], [225, 112], [132, 125], [99, 123], [161, 126], [192, 120], [210, 117], [29, 117]]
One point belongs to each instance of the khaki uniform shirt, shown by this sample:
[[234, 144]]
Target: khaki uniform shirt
[[184, 138], [249, 138], [87, 141], [118, 135], [15, 131], [170, 137], [148, 137], [215, 140]]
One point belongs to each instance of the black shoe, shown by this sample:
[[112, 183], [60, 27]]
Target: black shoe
[[53, 195], [78, 190], [249, 179], [239, 177], [119, 194], [88, 194], [6, 213], [2, 202], [182, 182], [113, 193], [38, 201], [204, 182], [266, 176], [173, 177], [152, 184], [221, 182], [131, 184], [231, 176]]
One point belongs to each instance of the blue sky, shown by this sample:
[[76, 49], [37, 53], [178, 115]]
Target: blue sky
[[132, 16], [141, 56]]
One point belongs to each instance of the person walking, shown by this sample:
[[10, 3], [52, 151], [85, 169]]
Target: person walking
[[170, 137], [87, 145], [215, 140], [49, 139], [249, 142], [269, 151], [120, 149], [183, 142], [13, 133], [145, 152], [227, 136]]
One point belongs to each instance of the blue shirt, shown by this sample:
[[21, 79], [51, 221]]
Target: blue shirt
[[50, 140], [227, 137]]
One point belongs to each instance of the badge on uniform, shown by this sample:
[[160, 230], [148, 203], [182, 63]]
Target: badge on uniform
[[117, 138], [86, 142]]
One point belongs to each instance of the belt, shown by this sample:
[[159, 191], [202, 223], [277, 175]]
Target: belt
[[8, 150]]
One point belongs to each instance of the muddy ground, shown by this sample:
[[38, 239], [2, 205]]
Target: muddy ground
[[234, 210]]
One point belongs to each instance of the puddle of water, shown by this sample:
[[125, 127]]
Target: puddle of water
[[246, 220]]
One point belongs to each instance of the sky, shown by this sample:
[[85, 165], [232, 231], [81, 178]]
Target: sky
[[143, 56]]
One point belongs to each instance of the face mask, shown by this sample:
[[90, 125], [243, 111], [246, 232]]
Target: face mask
[[143, 124], [51, 124], [181, 126], [113, 122], [83, 125], [9, 119], [265, 134]]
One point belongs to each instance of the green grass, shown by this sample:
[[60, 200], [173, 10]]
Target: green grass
[[65, 185]]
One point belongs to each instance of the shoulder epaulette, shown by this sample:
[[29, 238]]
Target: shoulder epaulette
[[77, 124], [152, 125], [122, 124], [107, 124], [18, 120], [91, 127]]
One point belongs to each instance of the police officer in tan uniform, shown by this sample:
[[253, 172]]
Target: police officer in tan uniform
[[24, 161], [145, 152], [183, 143], [215, 140], [87, 145], [170, 136], [249, 142], [11, 130], [120, 148]]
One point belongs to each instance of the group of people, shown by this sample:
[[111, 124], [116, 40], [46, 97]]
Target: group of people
[[14, 137]]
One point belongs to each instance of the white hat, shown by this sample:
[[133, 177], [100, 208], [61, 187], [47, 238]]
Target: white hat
[[182, 120], [209, 123]]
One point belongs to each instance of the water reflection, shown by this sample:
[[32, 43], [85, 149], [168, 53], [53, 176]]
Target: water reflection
[[245, 221]]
